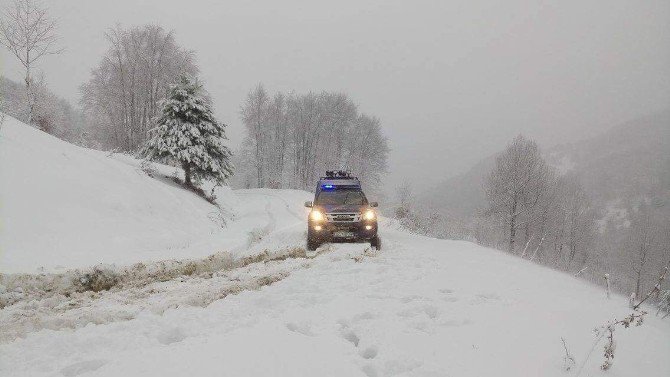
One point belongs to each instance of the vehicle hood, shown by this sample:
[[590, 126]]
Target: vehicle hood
[[342, 208]]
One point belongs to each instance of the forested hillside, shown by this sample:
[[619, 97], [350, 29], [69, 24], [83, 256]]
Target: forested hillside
[[631, 160], [621, 180]]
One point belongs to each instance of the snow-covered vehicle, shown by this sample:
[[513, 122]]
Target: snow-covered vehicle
[[341, 212]]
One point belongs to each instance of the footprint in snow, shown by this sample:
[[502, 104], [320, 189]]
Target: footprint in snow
[[432, 311], [82, 367], [171, 335], [370, 370], [448, 295], [302, 328], [408, 299], [351, 337], [369, 352]]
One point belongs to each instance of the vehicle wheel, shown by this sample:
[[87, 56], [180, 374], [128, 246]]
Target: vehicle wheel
[[376, 242], [312, 244]]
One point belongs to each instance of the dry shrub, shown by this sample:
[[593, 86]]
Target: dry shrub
[[97, 280]]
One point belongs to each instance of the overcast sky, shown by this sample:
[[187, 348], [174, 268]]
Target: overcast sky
[[451, 81]]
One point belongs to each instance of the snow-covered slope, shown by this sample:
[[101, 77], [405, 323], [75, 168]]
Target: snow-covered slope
[[262, 306], [62, 205]]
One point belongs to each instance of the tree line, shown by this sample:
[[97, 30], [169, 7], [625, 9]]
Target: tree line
[[292, 138], [543, 216]]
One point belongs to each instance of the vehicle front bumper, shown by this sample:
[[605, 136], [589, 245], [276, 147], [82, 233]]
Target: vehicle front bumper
[[333, 231]]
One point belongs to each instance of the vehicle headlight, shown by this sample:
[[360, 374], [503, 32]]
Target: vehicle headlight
[[369, 215], [316, 215]]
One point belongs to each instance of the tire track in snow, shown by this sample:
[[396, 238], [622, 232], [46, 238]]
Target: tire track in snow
[[287, 205], [55, 301], [271, 209], [258, 234]]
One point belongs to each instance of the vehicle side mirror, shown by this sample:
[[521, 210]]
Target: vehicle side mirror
[[308, 204], [374, 204]]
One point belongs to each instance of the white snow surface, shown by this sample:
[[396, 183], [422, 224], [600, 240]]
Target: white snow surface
[[419, 307]]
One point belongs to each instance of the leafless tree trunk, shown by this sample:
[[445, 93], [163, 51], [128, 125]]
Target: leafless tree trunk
[[30, 34], [642, 239], [254, 117]]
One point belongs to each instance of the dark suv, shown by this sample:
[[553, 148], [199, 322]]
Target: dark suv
[[341, 213]]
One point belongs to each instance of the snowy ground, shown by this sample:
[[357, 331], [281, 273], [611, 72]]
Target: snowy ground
[[262, 306]]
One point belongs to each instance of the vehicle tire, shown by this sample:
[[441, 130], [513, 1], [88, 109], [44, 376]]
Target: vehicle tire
[[312, 244], [376, 242]]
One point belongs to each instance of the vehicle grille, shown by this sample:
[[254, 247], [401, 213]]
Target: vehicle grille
[[343, 217]]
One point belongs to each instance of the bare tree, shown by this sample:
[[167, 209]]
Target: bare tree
[[121, 97], [516, 186], [255, 118], [404, 198], [574, 223], [278, 119], [30, 34], [642, 238]]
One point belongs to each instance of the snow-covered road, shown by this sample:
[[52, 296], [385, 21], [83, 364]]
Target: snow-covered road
[[420, 307]]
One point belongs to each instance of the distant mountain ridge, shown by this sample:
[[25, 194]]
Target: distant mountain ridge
[[631, 160]]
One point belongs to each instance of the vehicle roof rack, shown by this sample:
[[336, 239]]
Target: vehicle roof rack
[[338, 174]]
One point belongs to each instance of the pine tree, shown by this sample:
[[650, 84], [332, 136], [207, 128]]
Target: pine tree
[[187, 134]]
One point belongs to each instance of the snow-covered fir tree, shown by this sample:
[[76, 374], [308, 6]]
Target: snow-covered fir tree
[[187, 134]]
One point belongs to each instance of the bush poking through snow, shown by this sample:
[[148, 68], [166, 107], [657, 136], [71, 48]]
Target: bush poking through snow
[[148, 168], [97, 280], [637, 318], [610, 344]]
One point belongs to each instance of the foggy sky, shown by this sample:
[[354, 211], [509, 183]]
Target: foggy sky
[[452, 82]]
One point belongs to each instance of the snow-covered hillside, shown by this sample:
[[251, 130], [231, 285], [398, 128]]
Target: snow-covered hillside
[[66, 206], [260, 305]]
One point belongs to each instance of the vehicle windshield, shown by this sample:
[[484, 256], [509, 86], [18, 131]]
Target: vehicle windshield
[[341, 197]]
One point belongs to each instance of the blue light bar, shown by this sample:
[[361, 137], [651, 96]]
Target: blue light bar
[[328, 186]]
